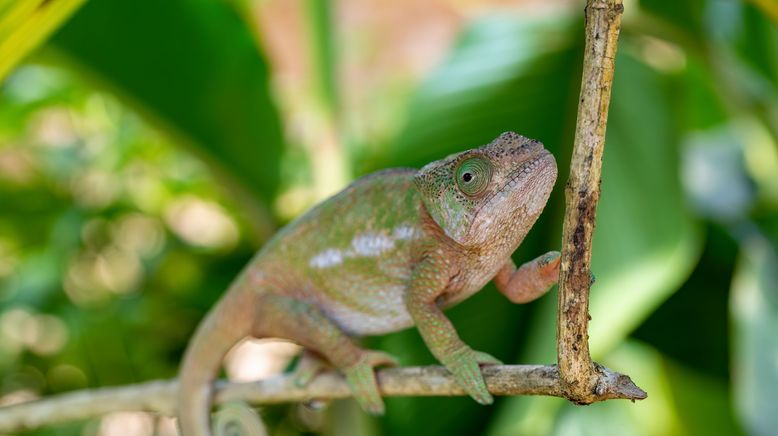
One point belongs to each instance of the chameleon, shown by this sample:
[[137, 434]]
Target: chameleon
[[392, 250]]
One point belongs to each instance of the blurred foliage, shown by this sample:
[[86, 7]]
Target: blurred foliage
[[143, 160], [194, 69]]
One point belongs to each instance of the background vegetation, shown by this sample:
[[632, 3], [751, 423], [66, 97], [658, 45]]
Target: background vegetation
[[148, 148]]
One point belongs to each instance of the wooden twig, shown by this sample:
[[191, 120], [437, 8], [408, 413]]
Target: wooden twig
[[584, 381], [160, 396]]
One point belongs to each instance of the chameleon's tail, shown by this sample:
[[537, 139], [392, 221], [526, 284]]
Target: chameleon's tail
[[226, 324]]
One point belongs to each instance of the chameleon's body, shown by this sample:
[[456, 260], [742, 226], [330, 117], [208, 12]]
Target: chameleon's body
[[390, 251]]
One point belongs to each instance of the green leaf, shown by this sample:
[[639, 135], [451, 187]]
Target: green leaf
[[25, 24], [193, 68], [754, 308], [703, 402], [646, 242], [757, 43], [687, 15]]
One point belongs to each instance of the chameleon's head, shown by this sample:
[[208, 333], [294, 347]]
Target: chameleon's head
[[490, 193]]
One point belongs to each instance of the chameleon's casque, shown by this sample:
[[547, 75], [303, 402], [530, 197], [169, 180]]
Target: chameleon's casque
[[389, 251]]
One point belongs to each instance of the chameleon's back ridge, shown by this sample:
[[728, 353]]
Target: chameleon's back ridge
[[389, 251]]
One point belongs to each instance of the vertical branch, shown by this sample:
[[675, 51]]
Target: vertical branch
[[583, 380]]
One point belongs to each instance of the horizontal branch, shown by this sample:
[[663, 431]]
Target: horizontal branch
[[159, 396]]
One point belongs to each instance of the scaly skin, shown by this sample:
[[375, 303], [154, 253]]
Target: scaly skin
[[392, 250]]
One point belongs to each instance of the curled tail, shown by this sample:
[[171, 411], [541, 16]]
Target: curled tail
[[225, 325]]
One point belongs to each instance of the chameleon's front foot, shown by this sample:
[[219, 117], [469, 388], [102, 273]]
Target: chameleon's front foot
[[531, 280], [464, 364], [362, 380]]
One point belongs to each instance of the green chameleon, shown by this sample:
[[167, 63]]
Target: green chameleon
[[391, 250]]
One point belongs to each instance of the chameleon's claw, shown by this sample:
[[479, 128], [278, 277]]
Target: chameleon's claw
[[549, 265], [379, 358], [307, 368], [362, 380], [551, 256], [464, 365], [486, 358]]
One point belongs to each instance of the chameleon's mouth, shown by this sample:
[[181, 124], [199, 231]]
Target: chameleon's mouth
[[536, 165]]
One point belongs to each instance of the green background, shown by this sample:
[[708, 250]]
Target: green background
[[140, 120]]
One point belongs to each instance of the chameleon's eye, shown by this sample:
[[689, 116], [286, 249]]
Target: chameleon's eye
[[473, 175]]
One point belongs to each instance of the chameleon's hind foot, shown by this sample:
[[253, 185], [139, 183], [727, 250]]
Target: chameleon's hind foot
[[362, 380], [309, 366]]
